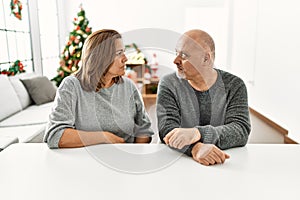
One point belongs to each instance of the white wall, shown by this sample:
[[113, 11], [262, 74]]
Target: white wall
[[263, 42], [130, 14], [173, 16], [214, 18], [266, 52]]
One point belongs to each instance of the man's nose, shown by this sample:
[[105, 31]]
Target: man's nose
[[177, 60]]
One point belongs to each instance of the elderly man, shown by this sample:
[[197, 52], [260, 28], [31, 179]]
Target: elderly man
[[202, 110]]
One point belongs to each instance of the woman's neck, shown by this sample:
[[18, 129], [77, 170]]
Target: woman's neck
[[108, 83], [108, 80]]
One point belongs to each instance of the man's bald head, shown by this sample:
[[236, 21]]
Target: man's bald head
[[203, 39]]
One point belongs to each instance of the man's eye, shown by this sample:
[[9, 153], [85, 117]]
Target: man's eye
[[184, 56]]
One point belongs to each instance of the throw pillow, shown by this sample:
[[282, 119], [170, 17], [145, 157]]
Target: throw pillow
[[40, 88], [21, 91]]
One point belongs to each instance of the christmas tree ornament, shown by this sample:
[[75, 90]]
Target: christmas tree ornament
[[154, 65], [16, 8], [16, 68]]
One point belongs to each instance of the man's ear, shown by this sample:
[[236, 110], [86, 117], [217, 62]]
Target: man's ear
[[207, 57]]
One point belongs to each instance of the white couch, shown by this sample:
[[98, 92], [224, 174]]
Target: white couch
[[20, 119]]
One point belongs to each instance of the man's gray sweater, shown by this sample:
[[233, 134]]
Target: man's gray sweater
[[180, 106]]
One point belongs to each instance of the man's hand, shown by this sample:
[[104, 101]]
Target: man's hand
[[208, 154], [180, 137]]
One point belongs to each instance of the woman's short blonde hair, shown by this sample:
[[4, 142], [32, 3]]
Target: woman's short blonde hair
[[98, 54]]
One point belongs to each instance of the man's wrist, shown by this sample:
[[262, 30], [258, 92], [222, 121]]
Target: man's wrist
[[196, 148], [198, 134]]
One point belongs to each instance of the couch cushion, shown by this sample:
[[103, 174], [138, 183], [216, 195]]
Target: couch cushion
[[21, 91], [32, 115], [9, 100], [40, 88]]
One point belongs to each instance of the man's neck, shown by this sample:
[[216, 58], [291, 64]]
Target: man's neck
[[203, 81]]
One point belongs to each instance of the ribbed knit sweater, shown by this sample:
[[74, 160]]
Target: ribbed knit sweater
[[225, 111]]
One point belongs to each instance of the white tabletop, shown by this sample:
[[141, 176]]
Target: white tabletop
[[131, 171]]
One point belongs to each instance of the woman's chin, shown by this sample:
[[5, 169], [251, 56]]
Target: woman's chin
[[121, 74]]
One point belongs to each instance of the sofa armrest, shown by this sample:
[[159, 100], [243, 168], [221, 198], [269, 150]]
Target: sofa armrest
[[5, 141]]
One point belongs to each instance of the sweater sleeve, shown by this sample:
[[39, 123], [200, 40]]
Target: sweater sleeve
[[62, 115], [141, 119], [236, 128], [168, 114]]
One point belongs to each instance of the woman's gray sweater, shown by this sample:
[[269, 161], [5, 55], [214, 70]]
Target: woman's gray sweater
[[118, 109]]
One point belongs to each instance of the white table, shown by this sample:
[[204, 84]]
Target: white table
[[32, 171]]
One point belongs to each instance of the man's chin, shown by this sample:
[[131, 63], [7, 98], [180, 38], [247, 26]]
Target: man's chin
[[180, 74]]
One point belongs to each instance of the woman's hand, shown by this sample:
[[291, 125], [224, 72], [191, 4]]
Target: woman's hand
[[110, 138], [142, 139], [78, 138]]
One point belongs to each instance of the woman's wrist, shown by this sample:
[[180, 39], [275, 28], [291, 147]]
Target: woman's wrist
[[142, 139]]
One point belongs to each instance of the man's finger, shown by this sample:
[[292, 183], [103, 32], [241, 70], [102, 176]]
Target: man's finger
[[176, 141], [181, 144], [227, 155], [173, 138], [203, 162], [216, 157], [220, 153], [210, 160], [167, 137]]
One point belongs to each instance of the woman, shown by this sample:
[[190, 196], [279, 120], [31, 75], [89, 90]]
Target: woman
[[97, 105]]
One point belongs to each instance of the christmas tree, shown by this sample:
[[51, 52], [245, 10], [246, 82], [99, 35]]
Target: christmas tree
[[70, 57]]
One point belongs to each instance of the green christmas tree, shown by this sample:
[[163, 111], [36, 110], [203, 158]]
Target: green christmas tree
[[70, 57]]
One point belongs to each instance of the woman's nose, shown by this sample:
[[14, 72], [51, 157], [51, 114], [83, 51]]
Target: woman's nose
[[125, 58]]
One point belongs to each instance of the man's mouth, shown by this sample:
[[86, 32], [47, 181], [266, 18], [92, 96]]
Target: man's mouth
[[179, 68]]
